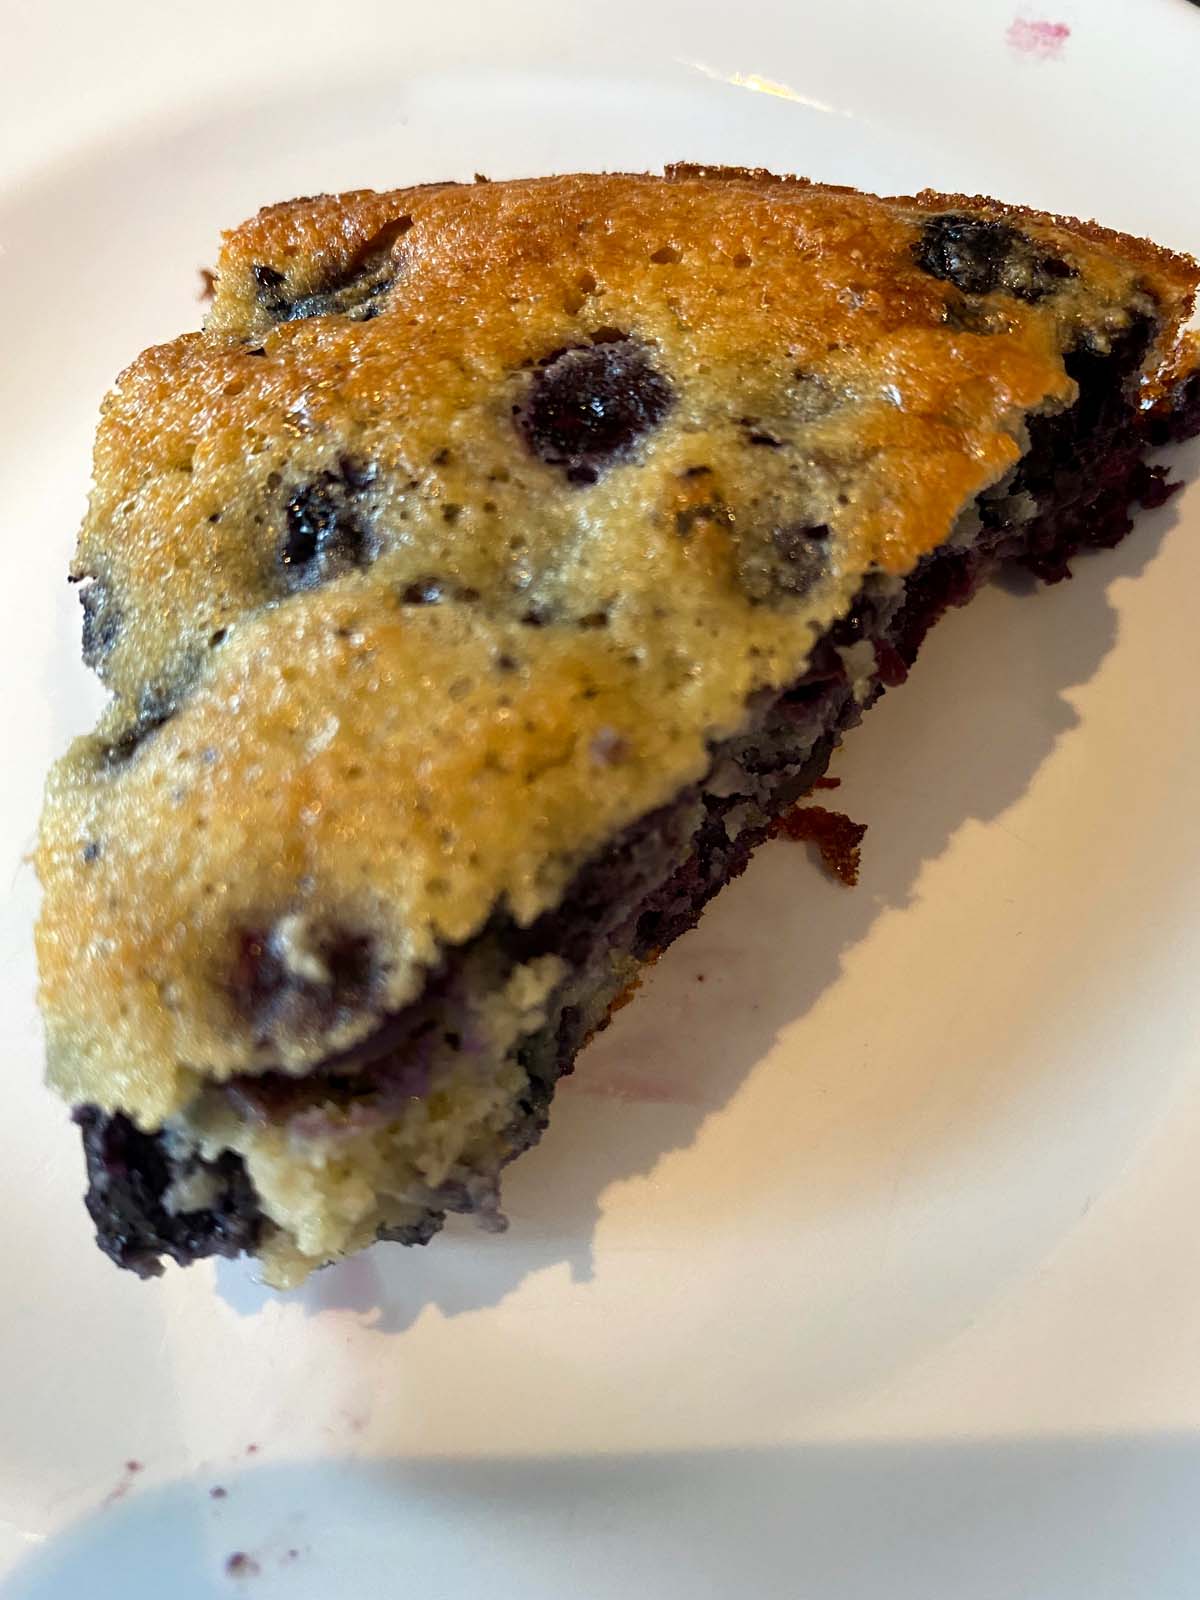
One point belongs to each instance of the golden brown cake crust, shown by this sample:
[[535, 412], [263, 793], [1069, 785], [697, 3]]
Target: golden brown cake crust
[[513, 663]]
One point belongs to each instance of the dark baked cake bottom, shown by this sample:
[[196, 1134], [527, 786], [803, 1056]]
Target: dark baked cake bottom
[[1084, 471]]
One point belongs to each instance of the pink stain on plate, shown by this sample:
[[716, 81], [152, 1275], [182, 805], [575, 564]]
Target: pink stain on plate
[[631, 1086], [1041, 39], [123, 1486]]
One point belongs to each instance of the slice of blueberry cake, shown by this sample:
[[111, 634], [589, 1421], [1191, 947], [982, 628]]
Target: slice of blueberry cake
[[475, 592]]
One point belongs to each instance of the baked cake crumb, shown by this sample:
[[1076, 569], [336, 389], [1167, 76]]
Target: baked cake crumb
[[838, 840], [494, 572]]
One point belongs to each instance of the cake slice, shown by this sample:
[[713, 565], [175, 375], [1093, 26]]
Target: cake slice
[[475, 592]]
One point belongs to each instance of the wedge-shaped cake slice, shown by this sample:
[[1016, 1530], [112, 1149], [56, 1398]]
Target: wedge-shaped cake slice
[[475, 592]]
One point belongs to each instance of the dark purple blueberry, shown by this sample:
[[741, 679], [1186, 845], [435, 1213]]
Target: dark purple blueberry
[[587, 407], [352, 292], [129, 1174], [101, 621], [328, 527], [982, 256], [331, 983]]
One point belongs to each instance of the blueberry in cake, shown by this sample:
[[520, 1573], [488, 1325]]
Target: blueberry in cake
[[485, 581]]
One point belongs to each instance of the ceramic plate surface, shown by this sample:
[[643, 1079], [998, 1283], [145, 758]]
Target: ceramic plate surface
[[866, 1266]]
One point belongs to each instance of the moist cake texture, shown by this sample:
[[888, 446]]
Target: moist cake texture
[[483, 583]]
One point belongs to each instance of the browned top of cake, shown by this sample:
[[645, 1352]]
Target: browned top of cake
[[469, 522]]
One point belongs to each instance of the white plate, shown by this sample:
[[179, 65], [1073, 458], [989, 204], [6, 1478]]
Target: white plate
[[865, 1267]]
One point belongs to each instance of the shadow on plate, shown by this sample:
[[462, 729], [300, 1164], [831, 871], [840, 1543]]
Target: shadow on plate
[[984, 708], [1110, 1517]]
